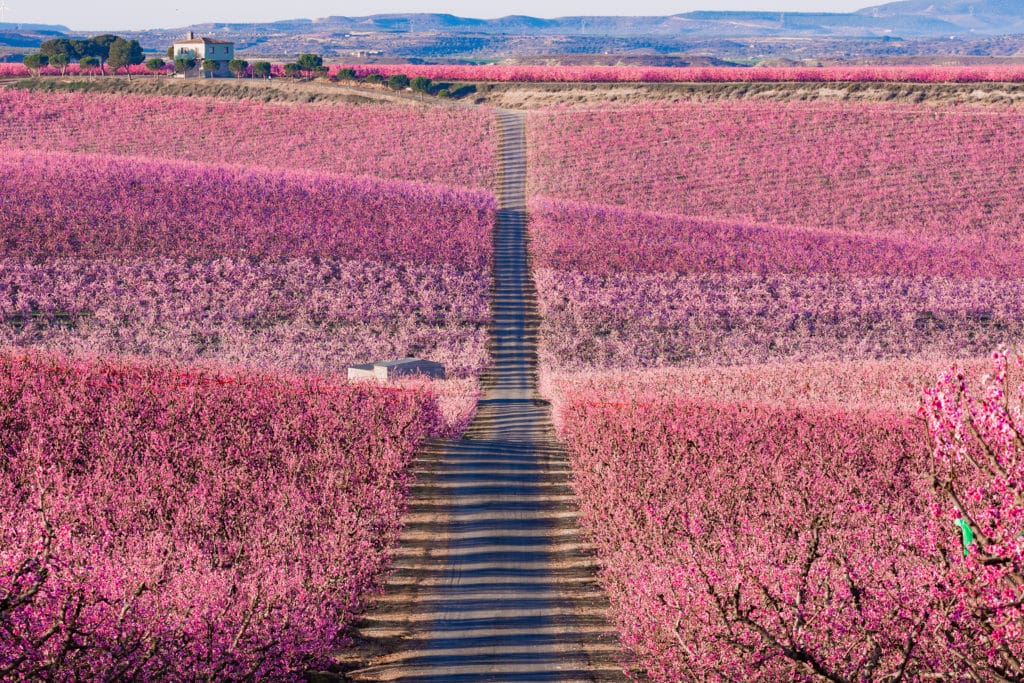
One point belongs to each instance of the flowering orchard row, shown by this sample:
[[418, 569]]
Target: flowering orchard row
[[298, 314], [18, 70], [192, 524], [642, 320], [891, 385], [741, 540], [441, 145], [920, 172], [536, 73], [135, 207], [532, 73], [197, 263], [733, 535], [605, 240]]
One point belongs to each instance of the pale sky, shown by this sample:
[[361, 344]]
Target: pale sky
[[106, 15]]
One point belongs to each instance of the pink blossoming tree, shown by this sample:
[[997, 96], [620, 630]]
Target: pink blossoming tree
[[978, 467]]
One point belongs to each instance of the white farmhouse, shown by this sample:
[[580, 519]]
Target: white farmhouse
[[199, 49]]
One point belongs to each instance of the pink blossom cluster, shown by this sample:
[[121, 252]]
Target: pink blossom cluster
[[136, 207], [604, 240], [740, 541], [538, 73], [299, 314], [917, 172], [184, 524], [644, 320], [978, 469], [441, 145]]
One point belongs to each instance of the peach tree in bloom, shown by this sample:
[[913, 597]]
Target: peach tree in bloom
[[978, 467]]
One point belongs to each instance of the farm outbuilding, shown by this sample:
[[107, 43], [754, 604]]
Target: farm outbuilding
[[394, 369]]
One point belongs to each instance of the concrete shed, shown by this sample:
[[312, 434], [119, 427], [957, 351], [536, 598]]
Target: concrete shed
[[395, 369]]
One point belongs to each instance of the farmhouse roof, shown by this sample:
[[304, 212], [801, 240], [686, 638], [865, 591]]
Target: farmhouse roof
[[200, 41]]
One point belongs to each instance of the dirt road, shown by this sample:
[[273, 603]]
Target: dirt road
[[494, 582]]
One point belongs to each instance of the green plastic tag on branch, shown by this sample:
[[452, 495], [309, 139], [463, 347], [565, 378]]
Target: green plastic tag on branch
[[966, 533]]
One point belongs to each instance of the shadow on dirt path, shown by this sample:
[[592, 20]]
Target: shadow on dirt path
[[493, 580]]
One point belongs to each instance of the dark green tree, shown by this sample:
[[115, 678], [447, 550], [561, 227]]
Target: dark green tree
[[183, 64], [309, 62], [261, 69], [79, 49], [421, 84], [60, 61], [99, 46], [346, 75], [88, 63], [373, 78], [35, 62], [398, 82], [209, 66], [238, 67], [155, 64], [170, 53], [59, 46], [292, 70], [124, 54]]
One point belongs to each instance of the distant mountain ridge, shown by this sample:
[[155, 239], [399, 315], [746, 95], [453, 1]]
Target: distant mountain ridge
[[960, 29], [55, 29], [904, 18], [975, 16]]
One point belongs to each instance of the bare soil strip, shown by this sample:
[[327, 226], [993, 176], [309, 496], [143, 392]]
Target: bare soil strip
[[494, 582]]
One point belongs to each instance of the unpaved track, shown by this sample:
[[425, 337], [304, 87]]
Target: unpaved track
[[493, 581]]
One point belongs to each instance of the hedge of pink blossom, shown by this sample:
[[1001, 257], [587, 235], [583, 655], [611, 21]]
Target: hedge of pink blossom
[[17, 70], [538, 73], [605, 240], [642, 320], [171, 524], [891, 385], [919, 172], [442, 145], [298, 314], [135, 207], [165, 259], [793, 522], [761, 543]]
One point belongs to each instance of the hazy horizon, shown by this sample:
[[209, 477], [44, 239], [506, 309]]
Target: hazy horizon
[[138, 16]]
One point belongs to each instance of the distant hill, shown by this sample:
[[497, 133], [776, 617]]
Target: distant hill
[[706, 23], [976, 16], [50, 29], [908, 18], [18, 39]]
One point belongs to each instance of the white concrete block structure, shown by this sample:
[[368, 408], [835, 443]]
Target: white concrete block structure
[[385, 370]]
